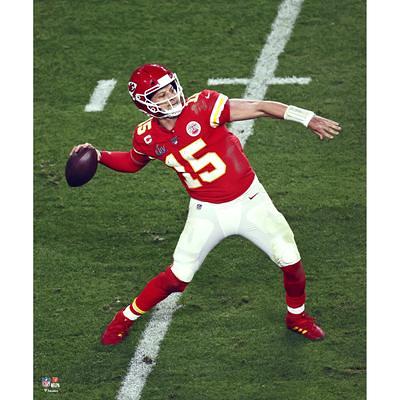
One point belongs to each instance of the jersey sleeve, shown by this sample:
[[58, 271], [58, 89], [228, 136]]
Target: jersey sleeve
[[218, 107], [139, 144], [126, 161], [123, 161]]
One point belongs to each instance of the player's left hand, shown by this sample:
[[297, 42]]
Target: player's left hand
[[324, 128]]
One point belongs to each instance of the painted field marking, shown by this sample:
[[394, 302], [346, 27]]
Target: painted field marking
[[100, 95], [264, 71], [147, 350], [294, 80], [149, 344]]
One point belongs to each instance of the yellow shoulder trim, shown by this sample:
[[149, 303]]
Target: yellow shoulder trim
[[217, 110]]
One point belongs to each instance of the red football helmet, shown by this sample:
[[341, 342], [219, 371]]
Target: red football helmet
[[145, 81]]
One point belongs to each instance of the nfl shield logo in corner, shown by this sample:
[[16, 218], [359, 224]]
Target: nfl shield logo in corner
[[50, 384], [46, 381]]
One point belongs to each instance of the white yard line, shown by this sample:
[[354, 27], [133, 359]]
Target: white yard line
[[100, 95], [227, 81], [148, 347], [147, 350], [293, 80], [268, 61]]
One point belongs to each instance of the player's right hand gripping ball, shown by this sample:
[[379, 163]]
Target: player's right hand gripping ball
[[81, 166]]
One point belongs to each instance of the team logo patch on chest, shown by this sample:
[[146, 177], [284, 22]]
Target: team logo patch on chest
[[193, 128]]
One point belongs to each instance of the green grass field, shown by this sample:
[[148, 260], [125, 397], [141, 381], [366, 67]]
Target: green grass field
[[96, 246]]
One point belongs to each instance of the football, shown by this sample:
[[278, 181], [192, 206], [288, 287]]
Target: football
[[81, 166]]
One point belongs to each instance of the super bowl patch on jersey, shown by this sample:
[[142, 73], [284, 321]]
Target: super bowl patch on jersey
[[193, 128]]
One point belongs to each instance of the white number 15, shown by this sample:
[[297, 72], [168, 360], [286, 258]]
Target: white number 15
[[197, 164]]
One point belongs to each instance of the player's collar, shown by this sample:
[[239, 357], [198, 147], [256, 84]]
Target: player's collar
[[165, 129]]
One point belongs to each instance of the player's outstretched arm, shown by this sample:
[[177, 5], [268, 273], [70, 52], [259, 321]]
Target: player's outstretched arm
[[241, 109]]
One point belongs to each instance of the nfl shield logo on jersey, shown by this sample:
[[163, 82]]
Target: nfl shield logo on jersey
[[193, 128]]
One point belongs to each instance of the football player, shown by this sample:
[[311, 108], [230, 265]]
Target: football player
[[226, 198]]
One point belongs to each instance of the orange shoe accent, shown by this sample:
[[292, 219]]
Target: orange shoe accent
[[117, 329], [305, 325]]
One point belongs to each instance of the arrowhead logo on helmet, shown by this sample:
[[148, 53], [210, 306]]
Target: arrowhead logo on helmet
[[131, 87], [145, 81]]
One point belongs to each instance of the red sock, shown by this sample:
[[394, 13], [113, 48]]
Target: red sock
[[157, 290], [294, 281]]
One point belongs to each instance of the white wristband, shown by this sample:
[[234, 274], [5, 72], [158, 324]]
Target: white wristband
[[297, 114]]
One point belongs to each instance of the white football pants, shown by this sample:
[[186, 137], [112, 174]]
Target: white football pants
[[251, 215]]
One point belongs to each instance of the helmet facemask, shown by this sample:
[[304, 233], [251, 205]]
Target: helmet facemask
[[154, 108]]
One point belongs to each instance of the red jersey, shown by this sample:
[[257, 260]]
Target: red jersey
[[208, 159]]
